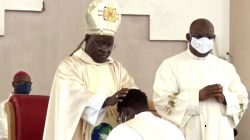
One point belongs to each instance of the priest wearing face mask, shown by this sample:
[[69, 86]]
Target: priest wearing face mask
[[199, 92], [21, 85]]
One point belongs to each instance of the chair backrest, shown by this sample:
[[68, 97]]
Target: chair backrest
[[26, 116]]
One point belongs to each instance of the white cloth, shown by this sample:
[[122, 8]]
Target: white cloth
[[176, 96], [146, 126], [3, 122], [79, 89]]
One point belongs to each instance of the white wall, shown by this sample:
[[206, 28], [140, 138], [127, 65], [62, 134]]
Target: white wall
[[240, 50], [170, 19], [37, 43]]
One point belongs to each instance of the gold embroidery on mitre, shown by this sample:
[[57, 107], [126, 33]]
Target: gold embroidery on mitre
[[110, 14]]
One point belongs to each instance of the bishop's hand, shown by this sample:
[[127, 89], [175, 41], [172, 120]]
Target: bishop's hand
[[117, 97]]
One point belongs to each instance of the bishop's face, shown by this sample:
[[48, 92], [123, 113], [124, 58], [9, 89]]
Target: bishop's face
[[99, 47]]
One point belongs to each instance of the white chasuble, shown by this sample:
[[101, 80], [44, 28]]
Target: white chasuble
[[79, 90]]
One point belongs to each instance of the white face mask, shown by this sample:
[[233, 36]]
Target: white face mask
[[202, 45]]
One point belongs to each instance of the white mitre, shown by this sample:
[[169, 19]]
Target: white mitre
[[103, 17]]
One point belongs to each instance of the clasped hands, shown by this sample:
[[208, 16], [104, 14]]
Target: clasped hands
[[117, 97], [212, 91]]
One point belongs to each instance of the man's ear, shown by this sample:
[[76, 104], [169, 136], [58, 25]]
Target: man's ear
[[130, 113], [188, 37], [13, 84]]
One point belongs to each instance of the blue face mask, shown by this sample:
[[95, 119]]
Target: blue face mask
[[23, 88]]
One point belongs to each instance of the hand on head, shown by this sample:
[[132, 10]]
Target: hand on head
[[117, 97]]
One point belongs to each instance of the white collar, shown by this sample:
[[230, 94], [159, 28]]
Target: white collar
[[144, 114], [189, 53]]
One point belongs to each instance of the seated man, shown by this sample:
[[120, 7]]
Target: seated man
[[138, 123], [21, 85]]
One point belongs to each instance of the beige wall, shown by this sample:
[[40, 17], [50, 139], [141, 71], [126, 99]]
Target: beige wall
[[37, 42], [240, 50]]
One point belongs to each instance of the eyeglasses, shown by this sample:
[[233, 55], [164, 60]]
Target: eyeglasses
[[102, 44], [200, 36]]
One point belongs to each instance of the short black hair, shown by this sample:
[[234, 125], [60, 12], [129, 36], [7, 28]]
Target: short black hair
[[135, 99]]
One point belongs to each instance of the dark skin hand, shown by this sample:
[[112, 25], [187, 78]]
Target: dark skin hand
[[117, 97], [212, 91]]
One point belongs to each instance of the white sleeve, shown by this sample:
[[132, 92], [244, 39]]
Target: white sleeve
[[94, 113], [236, 97], [3, 123], [123, 132], [169, 102]]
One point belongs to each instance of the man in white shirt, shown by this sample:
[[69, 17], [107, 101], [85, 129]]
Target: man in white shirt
[[199, 92], [139, 123]]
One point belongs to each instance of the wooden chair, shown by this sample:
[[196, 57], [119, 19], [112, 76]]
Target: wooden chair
[[26, 116]]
